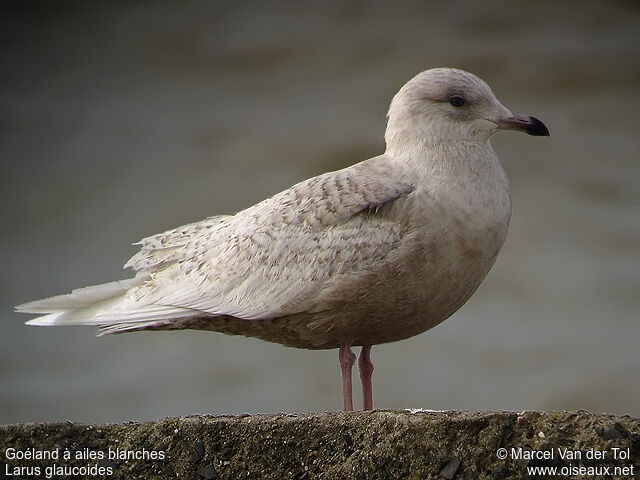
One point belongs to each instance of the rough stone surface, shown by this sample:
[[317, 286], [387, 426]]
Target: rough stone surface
[[355, 445]]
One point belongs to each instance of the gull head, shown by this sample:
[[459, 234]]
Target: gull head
[[445, 105]]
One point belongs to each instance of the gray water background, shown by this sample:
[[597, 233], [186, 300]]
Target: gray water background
[[123, 119]]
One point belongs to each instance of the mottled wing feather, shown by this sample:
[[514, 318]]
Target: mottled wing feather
[[167, 247], [273, 258]]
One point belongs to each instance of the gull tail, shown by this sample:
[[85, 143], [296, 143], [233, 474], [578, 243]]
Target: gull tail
[[105, 306]]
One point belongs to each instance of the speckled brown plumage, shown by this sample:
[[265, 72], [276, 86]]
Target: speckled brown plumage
[[374, 253]]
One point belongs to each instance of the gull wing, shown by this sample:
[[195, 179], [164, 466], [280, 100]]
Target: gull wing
[[272, 259]]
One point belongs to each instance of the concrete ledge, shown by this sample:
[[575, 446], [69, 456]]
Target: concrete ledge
[[359, 445]]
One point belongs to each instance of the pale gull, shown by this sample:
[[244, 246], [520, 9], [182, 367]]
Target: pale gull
[[374, 253]]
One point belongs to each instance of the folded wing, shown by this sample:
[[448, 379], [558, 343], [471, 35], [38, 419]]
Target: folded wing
[[269, 260]]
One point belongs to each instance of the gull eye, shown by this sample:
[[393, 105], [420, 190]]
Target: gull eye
[[456, 100]]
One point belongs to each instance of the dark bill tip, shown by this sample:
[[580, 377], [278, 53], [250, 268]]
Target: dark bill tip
[[537, 128], [524, 123]]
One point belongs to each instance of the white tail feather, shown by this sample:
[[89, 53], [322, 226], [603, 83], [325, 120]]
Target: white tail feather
[[104, 305], [81, 297]]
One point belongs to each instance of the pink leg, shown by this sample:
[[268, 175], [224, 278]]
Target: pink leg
[[347, 358], [366, 369]]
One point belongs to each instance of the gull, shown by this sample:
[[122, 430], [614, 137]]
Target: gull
[[374, 253]]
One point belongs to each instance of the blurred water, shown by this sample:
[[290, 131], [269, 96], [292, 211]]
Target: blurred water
[[121, 120]]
